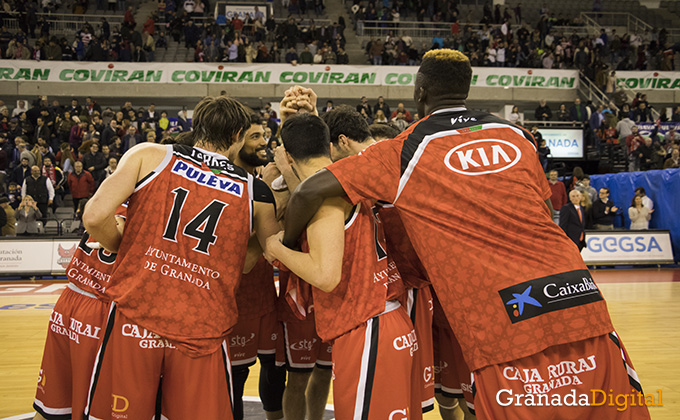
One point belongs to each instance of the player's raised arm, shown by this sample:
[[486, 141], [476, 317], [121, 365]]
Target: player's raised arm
[[305, 202], [99, 216]]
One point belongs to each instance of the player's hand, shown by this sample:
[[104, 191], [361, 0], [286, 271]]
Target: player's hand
[[270, 173], [282, 163], [273, 243]]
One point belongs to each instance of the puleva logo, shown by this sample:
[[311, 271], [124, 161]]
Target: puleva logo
[[552, 293], [520, 300], [481, 157]]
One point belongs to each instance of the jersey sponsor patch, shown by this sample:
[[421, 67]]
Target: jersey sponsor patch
[[207, 178], [480, 157], [547, 294]]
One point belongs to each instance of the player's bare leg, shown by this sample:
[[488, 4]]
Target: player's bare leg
[[294, 399], [462, 404], [317, 393], [38, 417], [449, 408]]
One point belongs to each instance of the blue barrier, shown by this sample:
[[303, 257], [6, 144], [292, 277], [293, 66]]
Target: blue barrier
[[662, 186]]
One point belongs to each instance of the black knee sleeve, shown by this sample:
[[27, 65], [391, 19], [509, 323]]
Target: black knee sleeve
[[239, 377], [272, 382]]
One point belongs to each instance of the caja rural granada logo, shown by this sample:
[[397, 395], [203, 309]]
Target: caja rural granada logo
[[481, 157]]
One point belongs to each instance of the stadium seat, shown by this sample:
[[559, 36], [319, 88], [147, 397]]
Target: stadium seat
[[51, 227]]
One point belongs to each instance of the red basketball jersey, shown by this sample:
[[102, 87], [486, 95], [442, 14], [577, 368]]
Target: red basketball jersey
[[90, 269], [470, 191], [369, 277], [184, 248], [256, 293]]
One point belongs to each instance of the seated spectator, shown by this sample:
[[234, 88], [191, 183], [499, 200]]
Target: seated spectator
[[7, 226], [578, 111], [639, 214], [382, 106], [645, 154], [27, 216], [673, 161], [642, 113], [563, 114], [292, 56], [380, 118], [404, 111], [113, 164], [543, 112], [306, 57]]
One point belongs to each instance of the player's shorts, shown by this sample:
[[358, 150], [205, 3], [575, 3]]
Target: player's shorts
[[73, 334], [564, 382], [250, 337], [420, 311], [372, 368], [304, 349], [452, 375], [128, 371]]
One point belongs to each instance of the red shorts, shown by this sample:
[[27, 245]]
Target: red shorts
[[372, 369], [420, 311], [254, 336], [304, 348], [131, 362], [564, 382], [70, 349], [452, 375]]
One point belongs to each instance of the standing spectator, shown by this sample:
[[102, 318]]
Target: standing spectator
[[578, 111], [646, 201], [543, 112], [543, 152], [8, 228], [21, 172], [113, 165], [109, 133], [586, 189], [27, 215], [376, 52], [645, 154], [642, 113], [603, 211], [40, 189], [182, 122], [624, 128], [95, 163], [639, 214], [76, 135], [558, 197], [572, 219], [633, 142], [80, 183], [56, 177], [131, 139]]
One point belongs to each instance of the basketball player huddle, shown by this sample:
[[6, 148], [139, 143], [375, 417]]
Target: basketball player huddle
[[400, 272]]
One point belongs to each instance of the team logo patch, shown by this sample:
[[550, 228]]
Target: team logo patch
[[547, 294], [481, 157], [65, 255]]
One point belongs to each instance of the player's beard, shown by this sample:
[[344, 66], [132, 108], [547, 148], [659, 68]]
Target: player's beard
[[253, 159]]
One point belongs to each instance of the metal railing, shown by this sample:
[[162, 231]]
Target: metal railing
[[632, 23], [591, 92]]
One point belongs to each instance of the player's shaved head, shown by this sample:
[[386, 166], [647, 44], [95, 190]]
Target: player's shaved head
[[220, 121], [345, 120], [306, 136]]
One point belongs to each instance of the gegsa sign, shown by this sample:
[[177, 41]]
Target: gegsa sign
[[627, 247]]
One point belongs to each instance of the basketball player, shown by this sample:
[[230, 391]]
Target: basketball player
[[308, 359], [453, 176], [354, 290], [257, 332], [74, 331], [350, 135], [179, 261]]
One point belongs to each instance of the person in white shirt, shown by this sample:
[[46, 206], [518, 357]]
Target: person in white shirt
[[646, 201]]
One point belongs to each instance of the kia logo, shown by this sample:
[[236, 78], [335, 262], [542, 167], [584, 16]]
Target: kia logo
[[481, 157]]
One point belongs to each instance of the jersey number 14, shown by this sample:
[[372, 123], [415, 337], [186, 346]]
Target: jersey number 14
[[201, 227]]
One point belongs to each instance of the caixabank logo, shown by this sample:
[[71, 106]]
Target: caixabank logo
[[547, 294]]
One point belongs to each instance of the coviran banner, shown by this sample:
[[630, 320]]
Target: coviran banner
[[229, 73]]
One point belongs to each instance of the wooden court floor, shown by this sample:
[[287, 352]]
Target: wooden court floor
[[644, 304]]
